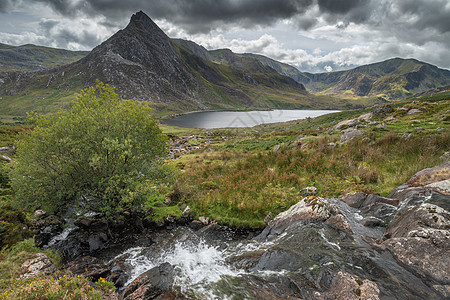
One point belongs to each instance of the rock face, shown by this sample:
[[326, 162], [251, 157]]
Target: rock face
[[150, 284], [407, 236], [420, 239]]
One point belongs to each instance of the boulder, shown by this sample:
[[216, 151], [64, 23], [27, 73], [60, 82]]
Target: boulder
[[350, 134], [382, 110], [150, 284], [430, 175], [40, 264]]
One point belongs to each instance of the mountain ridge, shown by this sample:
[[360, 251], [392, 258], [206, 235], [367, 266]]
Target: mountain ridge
[[175, 75]]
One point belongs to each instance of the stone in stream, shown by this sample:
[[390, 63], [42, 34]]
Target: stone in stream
[[150, 284]]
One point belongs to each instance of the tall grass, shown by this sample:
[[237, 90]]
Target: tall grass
[[242, 188]]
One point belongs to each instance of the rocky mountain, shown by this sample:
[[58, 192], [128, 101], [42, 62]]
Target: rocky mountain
[[32, 57], [391, 79], [144, 64]]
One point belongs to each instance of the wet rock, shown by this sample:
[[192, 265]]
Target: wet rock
[[41, 264], [420, 129], [349, 287], [350, 134], [118, 276], [97, 242], [372, 222], [46, 228], [89, 267], [308, 209], [150, 284]]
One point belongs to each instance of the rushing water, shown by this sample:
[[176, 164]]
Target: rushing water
[[222, 119], [296, 263]]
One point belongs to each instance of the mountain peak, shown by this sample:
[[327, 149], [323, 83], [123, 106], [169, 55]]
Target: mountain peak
[[144, 24]]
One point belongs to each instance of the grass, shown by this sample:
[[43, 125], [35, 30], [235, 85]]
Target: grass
[[53, 286], [243, 179]]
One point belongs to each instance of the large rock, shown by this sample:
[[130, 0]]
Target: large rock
[[150, 284], [420, 239], [311, 208], [350, 134], [430, 175]]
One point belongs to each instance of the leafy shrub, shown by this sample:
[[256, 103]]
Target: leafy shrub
[[98, 152]]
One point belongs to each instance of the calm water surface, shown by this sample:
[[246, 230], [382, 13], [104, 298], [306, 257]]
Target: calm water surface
[[222, 119]]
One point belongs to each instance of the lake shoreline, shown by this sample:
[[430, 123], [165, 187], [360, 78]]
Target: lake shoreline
[[213, 119]]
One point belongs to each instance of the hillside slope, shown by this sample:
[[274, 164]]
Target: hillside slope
[[32, 57]]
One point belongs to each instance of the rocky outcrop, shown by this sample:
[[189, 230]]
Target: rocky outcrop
[[150, 284], [309, 209], [38, 265]]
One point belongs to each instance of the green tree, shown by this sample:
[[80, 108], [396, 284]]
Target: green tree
[[94, 156]]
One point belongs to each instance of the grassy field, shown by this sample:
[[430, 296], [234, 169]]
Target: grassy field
[[237, 178]]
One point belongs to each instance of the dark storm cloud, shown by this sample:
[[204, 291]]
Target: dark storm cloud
[[340, 6], [197, 16], [430, 14], [194, 15], [5, 5]]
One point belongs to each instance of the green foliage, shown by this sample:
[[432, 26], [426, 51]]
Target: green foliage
[[100, 151]]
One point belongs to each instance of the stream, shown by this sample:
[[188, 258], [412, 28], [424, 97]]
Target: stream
[[214, 264]]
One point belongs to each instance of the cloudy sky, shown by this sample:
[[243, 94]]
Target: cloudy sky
[[313, 35]]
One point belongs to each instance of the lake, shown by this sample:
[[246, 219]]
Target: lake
[[223, 119]]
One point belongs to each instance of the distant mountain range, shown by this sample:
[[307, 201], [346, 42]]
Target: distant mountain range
[[179, 76]]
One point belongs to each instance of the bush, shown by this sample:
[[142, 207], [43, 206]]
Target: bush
[[93, 156]]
